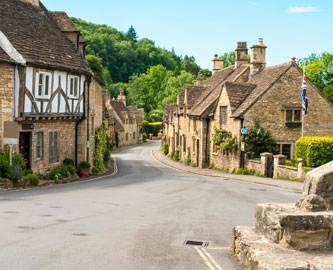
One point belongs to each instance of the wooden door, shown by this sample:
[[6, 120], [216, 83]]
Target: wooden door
[[25, 147]]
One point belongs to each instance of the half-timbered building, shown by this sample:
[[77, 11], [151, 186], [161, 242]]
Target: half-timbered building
[[45, 85]]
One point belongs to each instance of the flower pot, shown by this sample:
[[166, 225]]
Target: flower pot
[[84, 172]]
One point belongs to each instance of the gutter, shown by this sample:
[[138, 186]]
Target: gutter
[[88, 120]]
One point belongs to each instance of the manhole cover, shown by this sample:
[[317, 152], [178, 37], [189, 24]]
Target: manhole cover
[[196, 243], [257, 189], [11, 212], [26, 227], [56, 206], [79, 234]]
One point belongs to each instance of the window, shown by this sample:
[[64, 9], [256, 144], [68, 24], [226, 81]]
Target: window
[[39, 145], [184, 144], [293, 115], [126, 136], [43, 85], [225, 152], [53, 147], [133, 135], [73, 87], [223, 115], [286, 149]]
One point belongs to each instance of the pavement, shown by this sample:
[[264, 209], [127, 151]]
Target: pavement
[[291, 185], [137, 219]]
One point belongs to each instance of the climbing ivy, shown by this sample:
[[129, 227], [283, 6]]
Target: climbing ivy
[[101, 147], [224, 139]]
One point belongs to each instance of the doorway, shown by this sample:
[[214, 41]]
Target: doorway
[[25, 147]]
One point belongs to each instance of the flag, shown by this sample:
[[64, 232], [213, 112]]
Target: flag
[[304, 95]]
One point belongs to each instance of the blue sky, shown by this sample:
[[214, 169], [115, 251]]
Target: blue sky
[[203, 28]]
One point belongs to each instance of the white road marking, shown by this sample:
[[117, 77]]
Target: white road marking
[[210, 266], [211, 259]]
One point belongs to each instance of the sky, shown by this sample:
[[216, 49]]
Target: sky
[[202, 28]]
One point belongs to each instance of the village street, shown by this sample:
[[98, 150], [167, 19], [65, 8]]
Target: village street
[[137, 219]]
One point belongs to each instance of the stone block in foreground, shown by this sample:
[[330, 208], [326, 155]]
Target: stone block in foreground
[[255, 252]]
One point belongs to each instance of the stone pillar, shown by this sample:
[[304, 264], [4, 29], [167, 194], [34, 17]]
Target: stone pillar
[[278, 160], [266, 163], [300, 173]]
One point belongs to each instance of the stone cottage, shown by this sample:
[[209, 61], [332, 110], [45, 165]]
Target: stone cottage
[[46, 86], [237, 96], [125, 122]]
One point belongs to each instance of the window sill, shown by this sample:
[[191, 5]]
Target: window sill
[[293, 124]]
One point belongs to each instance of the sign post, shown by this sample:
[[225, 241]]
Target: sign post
[[10, 137], [243, 147]]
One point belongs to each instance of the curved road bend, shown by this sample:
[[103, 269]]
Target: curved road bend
[[137, 219]]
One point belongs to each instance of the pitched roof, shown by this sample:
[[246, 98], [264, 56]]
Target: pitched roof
[[35, 35], [64, 23], [4, 57], [237, 92], [192, 94], [213, 89], [263, 80], [119, 108]]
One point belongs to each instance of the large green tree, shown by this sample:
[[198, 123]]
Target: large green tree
[[319, 68]]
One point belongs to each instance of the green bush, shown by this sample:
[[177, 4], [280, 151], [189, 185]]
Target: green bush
[[63, 171], [292, 163], [245, 171], [71, 169], [193, 164], [187, 161], [95, 170], [155, 128], [144, 137], [16, 173], [32, 178], [102, 151], [27, 172], [84, 165], [68, 162], [175, 155], [145, 126], [315, 151], [55, 174], [159, 135], [165, 148]]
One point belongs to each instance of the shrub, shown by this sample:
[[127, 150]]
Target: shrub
[[16, 173], [84, 165], [155, 128], [159, 135], [71, 169], [175, 155], [259, 140], [145, 126], [245, 171], [95, 170], [292, 163], [102, 150], [165, 148], [315, 151], [187, 161], [144, 137], [63, 171], [68, 162], [55, 174], [193, 164], [27, 172], [107, 154], [223, 139], [32, 178]]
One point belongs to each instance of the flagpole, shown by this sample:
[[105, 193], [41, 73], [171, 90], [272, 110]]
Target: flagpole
[[303, 112]]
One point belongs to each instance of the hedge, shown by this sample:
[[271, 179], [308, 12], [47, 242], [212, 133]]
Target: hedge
[[151, 128], [315, 151]]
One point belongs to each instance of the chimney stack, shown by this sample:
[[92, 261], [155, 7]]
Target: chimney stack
[[258, 57], [121, 97], [199, 81], [217, 63], [241, 54], [33, 2]]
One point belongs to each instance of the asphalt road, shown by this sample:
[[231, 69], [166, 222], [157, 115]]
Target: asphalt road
[[137, 219]]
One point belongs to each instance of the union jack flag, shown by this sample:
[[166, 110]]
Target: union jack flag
[[304, 95]]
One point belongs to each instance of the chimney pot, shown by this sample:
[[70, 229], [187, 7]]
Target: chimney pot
[[241, 54], [33, 2], [258, 57], [261, 41], [217, 63]]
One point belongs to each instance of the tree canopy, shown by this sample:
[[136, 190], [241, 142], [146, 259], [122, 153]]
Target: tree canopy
[[319, 68]]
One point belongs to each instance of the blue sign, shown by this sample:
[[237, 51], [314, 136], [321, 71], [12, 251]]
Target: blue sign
[[243, 130]]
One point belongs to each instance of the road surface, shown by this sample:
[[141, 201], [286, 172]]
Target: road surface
[[137, 219]]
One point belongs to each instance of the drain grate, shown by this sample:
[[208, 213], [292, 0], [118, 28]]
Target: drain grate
[[196, 243]]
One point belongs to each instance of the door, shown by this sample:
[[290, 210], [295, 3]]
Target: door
[[25, 147]]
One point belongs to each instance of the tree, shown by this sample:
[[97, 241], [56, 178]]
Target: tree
[[319, 69], [205, 74], [230, 59], [259, 140], [131, 33]]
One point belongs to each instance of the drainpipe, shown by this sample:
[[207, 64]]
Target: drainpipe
[[242, 154], [88, 120], [207, 133]]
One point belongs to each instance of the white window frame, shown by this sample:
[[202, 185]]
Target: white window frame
[[69, 84], [43, 86]]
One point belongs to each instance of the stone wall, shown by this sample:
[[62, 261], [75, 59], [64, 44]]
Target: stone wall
[[255, 165], [66, 143], [6, 96]]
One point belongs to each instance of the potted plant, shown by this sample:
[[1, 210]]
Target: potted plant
[[84, 168]]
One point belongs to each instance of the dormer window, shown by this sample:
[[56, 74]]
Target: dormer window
[[43, 85], [73, 87]]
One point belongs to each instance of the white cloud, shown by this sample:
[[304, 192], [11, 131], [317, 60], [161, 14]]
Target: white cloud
[[302, 9]]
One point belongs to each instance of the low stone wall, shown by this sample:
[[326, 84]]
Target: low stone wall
[[284, 171], [255, 165]]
